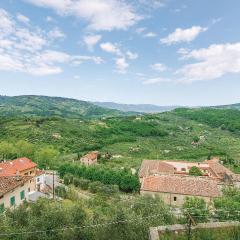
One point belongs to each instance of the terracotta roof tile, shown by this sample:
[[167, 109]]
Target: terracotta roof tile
[[150, 167], [193, 186], [10, 168], [9, 183]]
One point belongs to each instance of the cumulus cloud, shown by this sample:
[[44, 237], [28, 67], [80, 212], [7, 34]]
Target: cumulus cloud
[[91, 40], [100, 14], [110, 48], [23, 18], [183, 35], [26, 49], [121, 65], [131, 55], [212, 62], [159, 67]]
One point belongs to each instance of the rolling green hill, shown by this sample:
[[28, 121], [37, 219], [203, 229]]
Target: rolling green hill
[[128, 140], [52, 106]]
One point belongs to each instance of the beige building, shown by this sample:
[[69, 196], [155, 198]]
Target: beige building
[[90, 158], [14, 190], [171, 180], [174, 189]]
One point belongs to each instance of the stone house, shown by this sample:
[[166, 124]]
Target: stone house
[[90, 158], [14, 190], [174, 189]]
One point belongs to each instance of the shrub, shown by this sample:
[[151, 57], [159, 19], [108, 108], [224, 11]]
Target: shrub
[[95, 187], [84, 183], [195, 171]]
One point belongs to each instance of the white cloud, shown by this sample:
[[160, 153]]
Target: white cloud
[[159, 67], [150, 35], [183, 35], [56, 33], [91, 40], [23, 18], [131, 55], [101, 14], [153, 3], [110, 48], [28, 49], [6, 23], [121, 65], [212, 62], [158, 80]]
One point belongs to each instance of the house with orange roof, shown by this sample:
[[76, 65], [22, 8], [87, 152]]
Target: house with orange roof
[[20, 166], [90, 158]]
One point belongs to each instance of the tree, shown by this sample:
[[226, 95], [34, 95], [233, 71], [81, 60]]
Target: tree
[[24, 148], [197, 208], [195, 171], [46, 157]]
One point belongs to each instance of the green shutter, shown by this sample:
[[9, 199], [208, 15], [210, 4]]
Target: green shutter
[[22, 194], [12, 201], [2, 208]]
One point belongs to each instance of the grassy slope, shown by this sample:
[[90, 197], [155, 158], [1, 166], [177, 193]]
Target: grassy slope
[[162, 136], [47, 106]]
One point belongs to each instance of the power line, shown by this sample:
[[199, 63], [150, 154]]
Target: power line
[[80, 227]]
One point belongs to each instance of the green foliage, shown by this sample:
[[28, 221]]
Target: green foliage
[[52, 106], [197, 208], [195, 171], [46, 157], [125, 180], [222, 118], [228, 206]]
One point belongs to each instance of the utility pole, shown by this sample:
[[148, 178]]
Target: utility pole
[[53, 186], [190, 223]]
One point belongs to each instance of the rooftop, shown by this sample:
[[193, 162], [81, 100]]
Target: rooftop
[[10, 168], [194, 186], [11, 182]]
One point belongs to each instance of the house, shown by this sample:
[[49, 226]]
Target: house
[[14, 190], [173, 189], [20, 166], [90, 158], [171, 180], [210, 168]]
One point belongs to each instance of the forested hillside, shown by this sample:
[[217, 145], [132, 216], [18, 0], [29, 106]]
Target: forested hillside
[[181, 134], [52, 106]]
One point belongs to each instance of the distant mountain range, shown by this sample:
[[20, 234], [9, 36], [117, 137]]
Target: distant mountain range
[[230, 106], [141, 108], [31, 105], [44, 106]]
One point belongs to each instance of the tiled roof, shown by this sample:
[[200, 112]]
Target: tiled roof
[[218, 168], [10, 168], [185, 185], [150, 167], [91, 155], [9, 183]]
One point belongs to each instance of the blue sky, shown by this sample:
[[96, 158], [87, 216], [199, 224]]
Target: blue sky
[[165, 52]]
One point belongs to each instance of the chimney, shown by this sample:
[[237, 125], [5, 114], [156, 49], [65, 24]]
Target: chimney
[[17, 176]]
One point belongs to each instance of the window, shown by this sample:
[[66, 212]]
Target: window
[[22, 194], [2, 208], [183, 169], [175, 199], [29, 189], [12, 201], [38, 179]]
